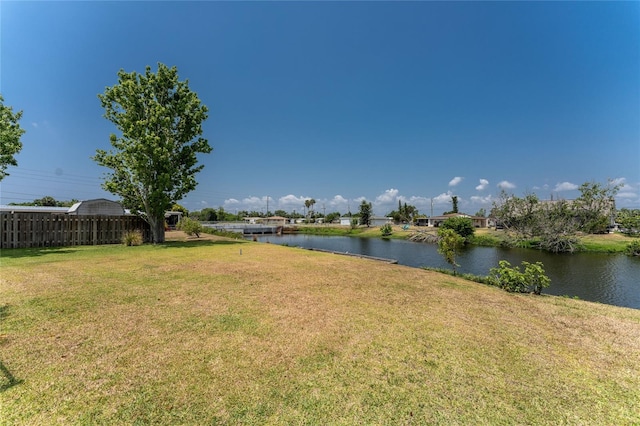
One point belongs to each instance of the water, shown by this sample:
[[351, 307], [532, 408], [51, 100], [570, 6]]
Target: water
[[604, 278]]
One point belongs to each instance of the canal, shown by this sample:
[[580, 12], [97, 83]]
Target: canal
[[606, 278]]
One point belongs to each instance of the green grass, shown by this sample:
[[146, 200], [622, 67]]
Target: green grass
[[234, 332], [606, 243]]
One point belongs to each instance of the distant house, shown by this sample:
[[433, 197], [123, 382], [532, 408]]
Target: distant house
[[421, 221], [98, 206], [345, 221], [172, 219], [379, 221], [275, 221]]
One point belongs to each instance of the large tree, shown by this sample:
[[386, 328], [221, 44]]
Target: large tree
[[153, 161], [10, 133]]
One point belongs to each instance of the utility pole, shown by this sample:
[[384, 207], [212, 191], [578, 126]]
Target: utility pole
[[267, 205]]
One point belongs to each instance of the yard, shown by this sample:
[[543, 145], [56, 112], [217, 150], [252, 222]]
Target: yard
[[219, 331]]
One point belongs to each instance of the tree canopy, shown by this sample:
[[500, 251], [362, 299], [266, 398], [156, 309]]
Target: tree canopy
[[10, 133], [153, 161]]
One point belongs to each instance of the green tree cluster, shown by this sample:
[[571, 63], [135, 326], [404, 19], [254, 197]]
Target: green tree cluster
[[48, 201], [406, 213], [629, 220], [555, 223]]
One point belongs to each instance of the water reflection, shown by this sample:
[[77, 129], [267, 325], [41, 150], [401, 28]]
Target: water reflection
[[605, 278]]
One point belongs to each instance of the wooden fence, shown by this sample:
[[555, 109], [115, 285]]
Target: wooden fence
[[22, 230]]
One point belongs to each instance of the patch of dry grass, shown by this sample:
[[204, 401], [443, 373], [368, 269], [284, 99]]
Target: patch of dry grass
[[224, 332]]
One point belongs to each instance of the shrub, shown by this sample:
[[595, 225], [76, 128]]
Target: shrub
[[132, 238], [386, 230], [462, 226], [633, 248], [511, 279], [190, 226]]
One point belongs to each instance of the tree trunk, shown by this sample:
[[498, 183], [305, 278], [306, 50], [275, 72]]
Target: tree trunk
[[157, 229]]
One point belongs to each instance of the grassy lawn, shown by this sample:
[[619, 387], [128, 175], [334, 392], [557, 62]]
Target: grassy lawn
[[232, 332]]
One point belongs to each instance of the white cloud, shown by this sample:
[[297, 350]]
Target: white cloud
[[419, 201], [506, 185], [483, 184], [230, 201], [631, 195], [390, 195], [565, 186], [34, 124], [291, 200], [444, 198], [482, 200], [456, 180], [338, 201]]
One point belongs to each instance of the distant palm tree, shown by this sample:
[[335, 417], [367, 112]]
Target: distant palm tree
[[308, 204]]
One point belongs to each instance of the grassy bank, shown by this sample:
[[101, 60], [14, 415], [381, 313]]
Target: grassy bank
[[228, 332]]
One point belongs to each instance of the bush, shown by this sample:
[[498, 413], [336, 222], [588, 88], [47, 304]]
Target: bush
[[386, 230], [633, 248], [462, 226], [190, 226], [511, 279], [132, 238]]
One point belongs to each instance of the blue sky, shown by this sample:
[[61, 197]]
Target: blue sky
[[340, 101]]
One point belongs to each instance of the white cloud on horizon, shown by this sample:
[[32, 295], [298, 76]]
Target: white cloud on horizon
[[483, 185], [455, 181]]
